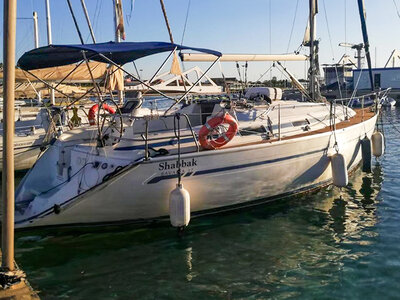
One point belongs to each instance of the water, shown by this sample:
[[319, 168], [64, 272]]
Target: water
[[327, 245]]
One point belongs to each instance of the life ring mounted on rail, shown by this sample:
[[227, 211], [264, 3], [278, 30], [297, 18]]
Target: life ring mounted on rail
[[206, 132], [93, 110]]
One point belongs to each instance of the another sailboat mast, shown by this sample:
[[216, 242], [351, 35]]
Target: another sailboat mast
[[118, 33], [361, 8], [49, 42], [116, 22], [313, 44], [312, 52]]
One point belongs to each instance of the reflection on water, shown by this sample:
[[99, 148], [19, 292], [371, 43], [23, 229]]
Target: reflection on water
[[329, 244]]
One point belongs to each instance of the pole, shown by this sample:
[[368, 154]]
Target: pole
[[116, 21], [312, 56], [88, 21], [35, 29], [7, 245], [49, 42], [361, 9], [279, 122], [48, 20], [75, 22], [359, 58], [36, 37], [117, 40]]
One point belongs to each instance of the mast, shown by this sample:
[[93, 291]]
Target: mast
[[117, 3], [116, 21], [313, 44], [36, 38], [361, 9], [75, 22], [35, 29], [48, 20], [7, 245], [312, 58], [49, 42], [88, 21]]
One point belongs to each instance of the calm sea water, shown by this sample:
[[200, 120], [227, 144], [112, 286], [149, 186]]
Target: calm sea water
[[327, 245]]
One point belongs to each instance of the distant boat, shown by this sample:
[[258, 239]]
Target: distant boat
[[361, 102], [388, 102], [35, 126]]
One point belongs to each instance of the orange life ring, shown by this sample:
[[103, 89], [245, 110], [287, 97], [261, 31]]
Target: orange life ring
[[224, 138], [95, 108]]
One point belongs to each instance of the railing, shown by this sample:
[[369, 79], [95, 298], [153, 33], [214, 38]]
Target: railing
[[177, 131], [177, 118]]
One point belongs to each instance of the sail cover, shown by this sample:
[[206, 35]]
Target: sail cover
[[243, 57], [71, 73], [120, 53]]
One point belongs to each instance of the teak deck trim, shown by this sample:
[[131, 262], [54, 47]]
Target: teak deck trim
[[360, 116]]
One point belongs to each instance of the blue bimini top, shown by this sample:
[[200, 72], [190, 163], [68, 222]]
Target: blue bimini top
[[119, 53]]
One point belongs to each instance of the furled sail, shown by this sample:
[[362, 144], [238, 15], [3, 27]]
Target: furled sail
[[115, 79], [120, 26], [307, 37]]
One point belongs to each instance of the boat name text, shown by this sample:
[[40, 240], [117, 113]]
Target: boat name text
[[174, 165]]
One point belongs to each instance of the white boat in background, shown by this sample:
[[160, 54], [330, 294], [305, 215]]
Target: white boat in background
[[170, 83], [388, 102], [34, 128]]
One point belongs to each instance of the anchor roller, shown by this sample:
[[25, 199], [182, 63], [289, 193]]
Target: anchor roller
[[179, 206], [378, 144], [339, 170]]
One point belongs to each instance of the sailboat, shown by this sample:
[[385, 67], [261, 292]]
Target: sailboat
[[36, 126], [193, 158]]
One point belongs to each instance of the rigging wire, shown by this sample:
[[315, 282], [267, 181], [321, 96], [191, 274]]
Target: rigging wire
[[397, 9], [345, 37], [331, 45], [291, 32], [270, 35], [262, 75], [184, 30], [75, 22], [293, 24], [186, 19], [96, 17]]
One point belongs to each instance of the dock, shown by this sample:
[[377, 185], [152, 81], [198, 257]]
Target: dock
[[18, 289]]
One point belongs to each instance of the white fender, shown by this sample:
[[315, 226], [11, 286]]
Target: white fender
[[179, 206], [339, 170], [378, 144]]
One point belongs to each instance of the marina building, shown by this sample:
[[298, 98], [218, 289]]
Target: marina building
[[383, 78]]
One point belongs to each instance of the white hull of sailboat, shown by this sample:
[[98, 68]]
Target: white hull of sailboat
[[26, 150], [216, 180], [24, 158]]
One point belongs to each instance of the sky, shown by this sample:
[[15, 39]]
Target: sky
[[229, 26]]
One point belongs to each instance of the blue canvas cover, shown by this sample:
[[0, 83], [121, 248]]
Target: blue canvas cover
[[120, 53]]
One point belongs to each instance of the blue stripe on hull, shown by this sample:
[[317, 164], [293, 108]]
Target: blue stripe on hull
[[171, 142], [217, 170]]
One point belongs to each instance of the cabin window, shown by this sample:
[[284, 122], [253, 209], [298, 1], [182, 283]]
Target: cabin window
[[301, 123]]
